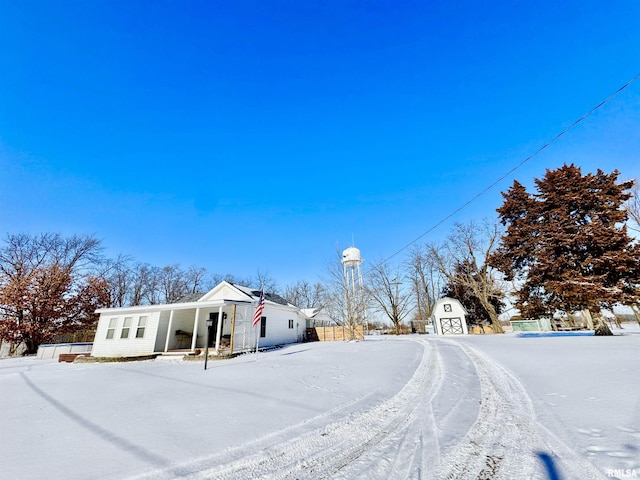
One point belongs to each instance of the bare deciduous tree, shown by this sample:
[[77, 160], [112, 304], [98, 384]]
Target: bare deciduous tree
[[216, 278], [144, 284], [194, 279], [118, 275], [633, 211], [265, 281], [633, 207], [384, 288], [426, 281], [476, 313], [471, 245], [172, 284], [305, 295]]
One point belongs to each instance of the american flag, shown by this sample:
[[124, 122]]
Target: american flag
[[259, 309]]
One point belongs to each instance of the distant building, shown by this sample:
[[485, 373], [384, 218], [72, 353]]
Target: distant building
[[449, 317], [419, 326], [318, 317]]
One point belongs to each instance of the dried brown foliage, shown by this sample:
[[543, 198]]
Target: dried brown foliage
[[46, 288], [567, 246]]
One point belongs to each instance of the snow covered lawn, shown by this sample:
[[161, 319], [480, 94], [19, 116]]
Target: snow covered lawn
[[407, 407]]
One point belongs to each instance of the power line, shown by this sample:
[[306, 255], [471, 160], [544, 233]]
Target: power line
[[534, 154]]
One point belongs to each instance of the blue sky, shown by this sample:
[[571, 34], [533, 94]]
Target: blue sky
[[264, 135]]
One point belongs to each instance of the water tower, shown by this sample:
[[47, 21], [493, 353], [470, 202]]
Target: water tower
[[354, 301]]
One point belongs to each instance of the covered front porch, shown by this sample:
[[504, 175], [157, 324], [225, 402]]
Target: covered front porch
[[182, 329]]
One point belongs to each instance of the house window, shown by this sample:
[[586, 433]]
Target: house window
[[126, 326], [447, 307], [263, 327], [290, 323], [111, 331], [142, 323]]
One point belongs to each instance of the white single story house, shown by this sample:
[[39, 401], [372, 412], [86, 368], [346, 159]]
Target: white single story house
[[449, 317], [182, 326]]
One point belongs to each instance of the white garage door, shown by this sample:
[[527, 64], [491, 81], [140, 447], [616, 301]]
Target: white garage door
[[451, 326]]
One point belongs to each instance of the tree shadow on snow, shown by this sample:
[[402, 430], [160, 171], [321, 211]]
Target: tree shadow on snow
[[115, 440]]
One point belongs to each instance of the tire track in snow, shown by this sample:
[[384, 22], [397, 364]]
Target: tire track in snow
[[398, 439], [504, 440], [323, 452], [486, 451], [412, 451]]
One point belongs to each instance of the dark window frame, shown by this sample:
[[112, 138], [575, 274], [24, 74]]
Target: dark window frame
[[263, 327]]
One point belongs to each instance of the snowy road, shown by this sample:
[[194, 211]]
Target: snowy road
[[395, 440], [408, 408]]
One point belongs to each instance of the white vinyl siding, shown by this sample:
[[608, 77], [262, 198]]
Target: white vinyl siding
[[126, 347]]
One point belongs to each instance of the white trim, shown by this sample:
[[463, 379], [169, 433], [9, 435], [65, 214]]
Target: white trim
[[194, 337], [219, 329], [168, 306], [166, 343], [138, 309]]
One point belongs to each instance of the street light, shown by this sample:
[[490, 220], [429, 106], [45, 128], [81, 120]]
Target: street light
[[206, 348]]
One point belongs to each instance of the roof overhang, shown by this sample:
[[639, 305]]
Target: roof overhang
[[173, 306]]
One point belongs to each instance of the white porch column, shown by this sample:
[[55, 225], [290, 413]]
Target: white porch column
[[195, 330], [233, 328], [219, 329], [166, 343]]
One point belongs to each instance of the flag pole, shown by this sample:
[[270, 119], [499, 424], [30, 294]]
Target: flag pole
[[257, 342], [257, 318]]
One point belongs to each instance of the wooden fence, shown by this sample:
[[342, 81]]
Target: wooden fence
[[481, 329], [335, 333]]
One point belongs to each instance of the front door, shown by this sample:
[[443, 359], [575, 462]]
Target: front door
[[213, 329]]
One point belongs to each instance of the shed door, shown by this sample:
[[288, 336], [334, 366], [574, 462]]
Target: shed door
[[452, 326]]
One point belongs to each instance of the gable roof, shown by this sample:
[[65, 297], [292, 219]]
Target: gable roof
[[318, 314], [231, 291], [449, 300], [315, 312], [223, 293], [226, 291], [271, 297], [190, 297]]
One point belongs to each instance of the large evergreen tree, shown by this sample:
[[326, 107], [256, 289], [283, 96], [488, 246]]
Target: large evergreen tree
[[567, 245]]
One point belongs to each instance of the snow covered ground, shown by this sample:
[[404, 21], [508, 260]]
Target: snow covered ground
[[477, 407]]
